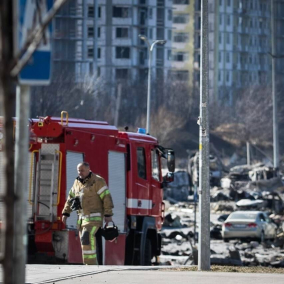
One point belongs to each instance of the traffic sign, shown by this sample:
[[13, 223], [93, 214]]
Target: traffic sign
[[29, 13]]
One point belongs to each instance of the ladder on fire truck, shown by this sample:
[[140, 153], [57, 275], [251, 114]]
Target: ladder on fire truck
[[47, 186]]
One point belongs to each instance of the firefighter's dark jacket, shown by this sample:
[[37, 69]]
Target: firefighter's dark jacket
[[93, 194]]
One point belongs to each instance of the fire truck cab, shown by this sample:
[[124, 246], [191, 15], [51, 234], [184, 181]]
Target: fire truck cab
[[131, 165]]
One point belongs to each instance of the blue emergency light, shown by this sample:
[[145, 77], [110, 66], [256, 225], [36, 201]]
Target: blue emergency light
[[141, 130]]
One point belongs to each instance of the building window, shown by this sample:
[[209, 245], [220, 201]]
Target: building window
[[169, 35], [180, 56], [91, 67], [220, 2], [228, 39], [160, 33], [98, 71], [181, 19], [141, 162], [90, 31], [122, 52], [121, 74], [120, 12], [228, 20], [99, 53], [228, 76], [169, 54], [90, 52], [228, 57], [220, 38], [181, 37], [150, 33], [99, 11], [181, 2], [160, 54], [150, 13], [220, 57], [170, 15], [220, 19], [122, 32], [228, 3], [91, 12], [99, 32]]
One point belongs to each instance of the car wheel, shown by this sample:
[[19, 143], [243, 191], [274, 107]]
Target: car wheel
[[226, 240]]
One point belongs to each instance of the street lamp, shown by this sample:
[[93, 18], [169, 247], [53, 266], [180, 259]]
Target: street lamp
[[150, 49]]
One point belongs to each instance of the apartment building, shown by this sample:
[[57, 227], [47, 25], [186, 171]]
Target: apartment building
[[239, 34], [239, 45], [101, 37], [182, 55]]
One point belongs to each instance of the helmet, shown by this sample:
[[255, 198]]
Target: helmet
[[110, 232]]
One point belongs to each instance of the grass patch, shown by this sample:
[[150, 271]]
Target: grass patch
[[241, 269]]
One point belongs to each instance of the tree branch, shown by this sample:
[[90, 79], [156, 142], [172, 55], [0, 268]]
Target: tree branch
[[34, 39]]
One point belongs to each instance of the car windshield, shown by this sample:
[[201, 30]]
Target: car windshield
[[242, 215]]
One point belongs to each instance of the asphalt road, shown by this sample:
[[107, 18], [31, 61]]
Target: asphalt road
[[63, 274]]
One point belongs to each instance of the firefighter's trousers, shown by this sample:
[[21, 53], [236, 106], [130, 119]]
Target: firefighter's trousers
[[88, 241]]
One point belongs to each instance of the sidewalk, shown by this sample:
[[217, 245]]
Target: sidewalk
[[65, 274]]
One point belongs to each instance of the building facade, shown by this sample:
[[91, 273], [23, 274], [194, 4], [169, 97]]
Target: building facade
[[182, 55], [101, 37]]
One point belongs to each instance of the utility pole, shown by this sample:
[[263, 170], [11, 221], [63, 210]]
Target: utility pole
[[8, 97], [274, 97], [248, 153], [204, 186]]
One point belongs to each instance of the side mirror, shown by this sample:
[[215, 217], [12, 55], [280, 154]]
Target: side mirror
[[169, 177], [171, 160]]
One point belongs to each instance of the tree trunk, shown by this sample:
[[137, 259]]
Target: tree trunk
[[8, 97]]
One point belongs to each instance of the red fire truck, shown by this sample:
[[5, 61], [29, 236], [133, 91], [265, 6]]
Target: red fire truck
[[131, 165]]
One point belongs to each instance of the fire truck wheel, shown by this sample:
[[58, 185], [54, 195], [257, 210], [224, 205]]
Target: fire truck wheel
[[148, 252]]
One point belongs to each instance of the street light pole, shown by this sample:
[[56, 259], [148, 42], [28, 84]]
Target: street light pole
[[150, 49], [274, 96]]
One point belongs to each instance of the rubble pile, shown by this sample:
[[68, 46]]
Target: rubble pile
[[257, 187], [180, 247]]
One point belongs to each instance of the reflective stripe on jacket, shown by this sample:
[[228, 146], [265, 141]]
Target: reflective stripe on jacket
[[94, 197]]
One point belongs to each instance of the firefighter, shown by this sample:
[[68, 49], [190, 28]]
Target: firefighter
[[90, 197]]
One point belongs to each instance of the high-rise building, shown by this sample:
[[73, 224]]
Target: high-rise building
[[101, 36], [239, 34]]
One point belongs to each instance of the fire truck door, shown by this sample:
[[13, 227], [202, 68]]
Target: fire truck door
[[72, 160], [141, 197], [114, 252]]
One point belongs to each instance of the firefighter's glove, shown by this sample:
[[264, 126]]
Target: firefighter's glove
[[75, 204]]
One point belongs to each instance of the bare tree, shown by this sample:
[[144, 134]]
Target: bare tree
[[81, 98], [249, 120], [10, 67]]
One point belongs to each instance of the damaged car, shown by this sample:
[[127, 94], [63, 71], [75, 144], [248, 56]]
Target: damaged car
[[248, 225]]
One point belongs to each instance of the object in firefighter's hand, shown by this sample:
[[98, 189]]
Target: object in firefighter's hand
[[110, 233], [75, 204]]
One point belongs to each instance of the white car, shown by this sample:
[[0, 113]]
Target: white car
[[248, 225]]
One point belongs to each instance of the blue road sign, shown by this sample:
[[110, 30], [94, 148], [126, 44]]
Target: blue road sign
[[29, 14]]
